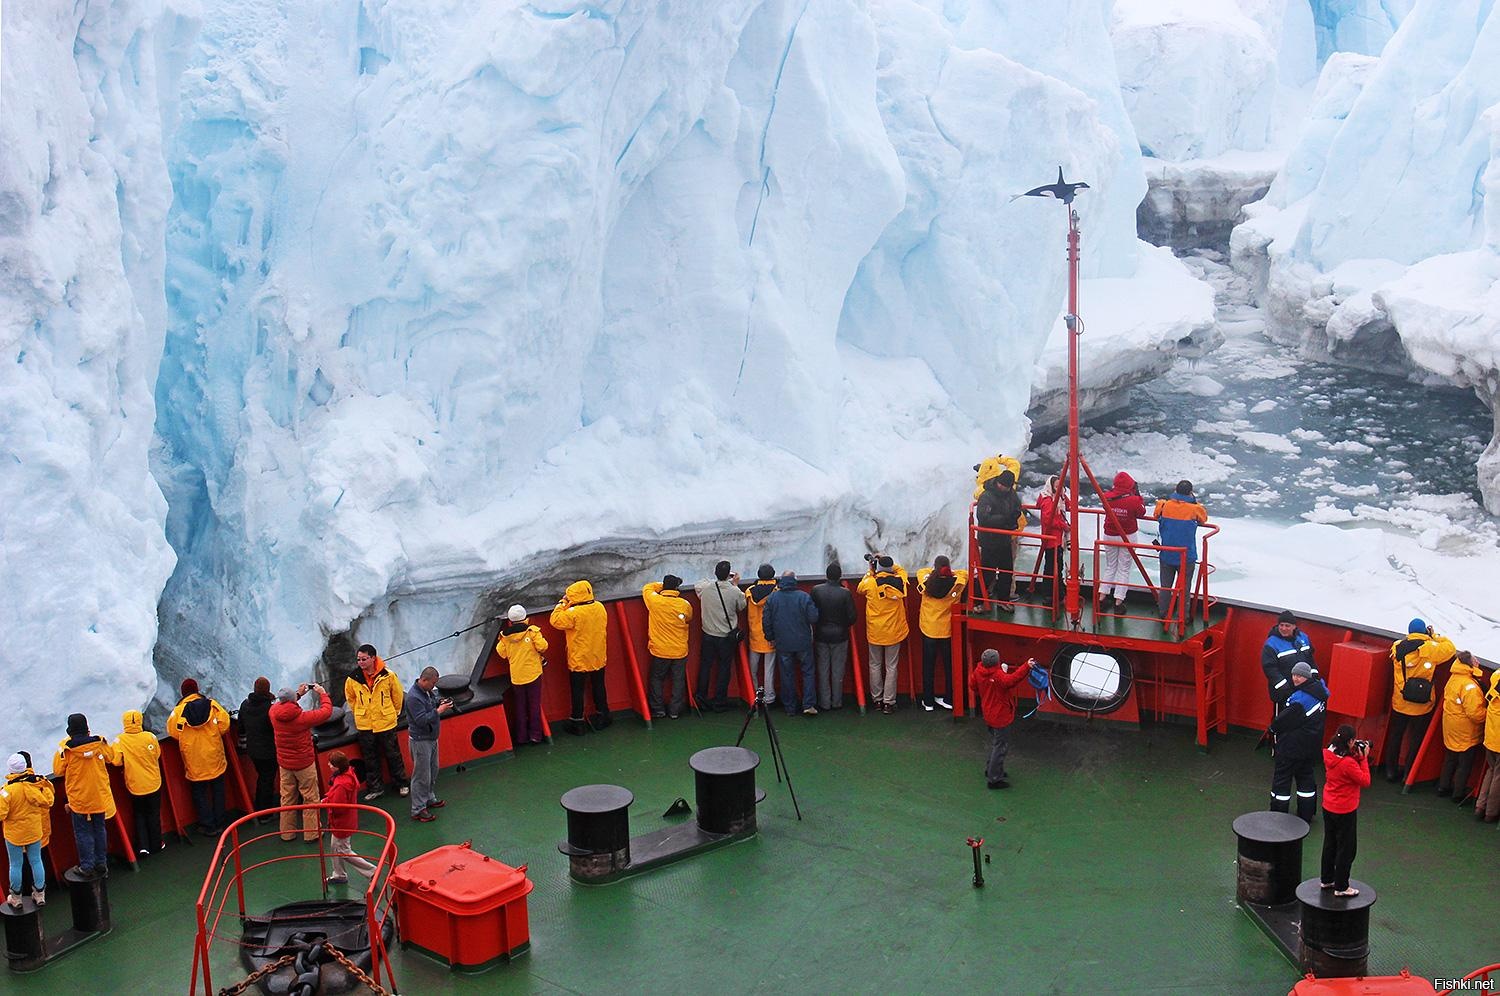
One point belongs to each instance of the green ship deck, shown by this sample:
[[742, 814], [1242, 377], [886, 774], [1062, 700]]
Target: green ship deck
[[1137, 626], [1113, 868]]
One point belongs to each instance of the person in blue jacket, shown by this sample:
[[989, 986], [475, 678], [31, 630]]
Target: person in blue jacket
[[1298, 729], [1178, 518], [788, 621], [1286, 646]]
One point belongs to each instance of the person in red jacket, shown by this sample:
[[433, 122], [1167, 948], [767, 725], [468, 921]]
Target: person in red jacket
[[1124, 499], [343, 822], [291, 727], [995, 686], [1348, 766], [1052, 504]]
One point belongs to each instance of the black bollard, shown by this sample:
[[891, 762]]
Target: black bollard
[[1335, 930], [725, 780], [598, 844], [90, 902], [1270, 857], [25, 944]]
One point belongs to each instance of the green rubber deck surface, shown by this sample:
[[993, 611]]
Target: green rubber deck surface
[[1112, 870]]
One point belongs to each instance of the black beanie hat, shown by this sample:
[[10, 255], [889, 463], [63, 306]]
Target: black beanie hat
[[886, 563], [1007, 479], [1286, 616], [941, 561], [672, 581], [78, 724], [766, 573], [835, 572]]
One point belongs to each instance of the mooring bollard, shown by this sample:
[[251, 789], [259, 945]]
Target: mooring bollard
[[1270, 857], [1335, 930], [25, 944], [90, 901], [725, 782], [598, 843]]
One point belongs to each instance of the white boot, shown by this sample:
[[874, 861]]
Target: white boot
[[39, 897]]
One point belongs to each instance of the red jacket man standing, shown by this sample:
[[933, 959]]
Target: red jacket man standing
[[996, 686], [296, 756]]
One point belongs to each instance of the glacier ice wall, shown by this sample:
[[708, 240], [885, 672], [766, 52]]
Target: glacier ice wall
[[464, 301], [1343, 267], [89, 89]]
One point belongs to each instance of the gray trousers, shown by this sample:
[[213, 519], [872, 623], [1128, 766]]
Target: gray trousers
[[763, 671], [831, 659], [424, 768], [994, 768], [664, 671], [883, 669]]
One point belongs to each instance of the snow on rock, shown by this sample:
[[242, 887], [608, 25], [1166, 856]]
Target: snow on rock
[[1133, 330], [466, 303], [1196, 204], [83, 198]]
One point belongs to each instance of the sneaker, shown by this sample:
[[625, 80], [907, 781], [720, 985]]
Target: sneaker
[[373, 794], [101, 871], [942, 703], [809, 711], [143, 853], [39, 897], [889, 708], [405, 791], [658, 715], [999, 783], [436, 804], [927, 706], [423, 817], [336, 880], [14, 900]]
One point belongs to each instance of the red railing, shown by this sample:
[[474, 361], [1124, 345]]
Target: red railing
[[1485, 974], [226, 877]]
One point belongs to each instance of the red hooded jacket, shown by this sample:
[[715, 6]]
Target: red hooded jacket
[[1346, 776], [1126, 502], [344, 788], [997, 692], [292, 728]]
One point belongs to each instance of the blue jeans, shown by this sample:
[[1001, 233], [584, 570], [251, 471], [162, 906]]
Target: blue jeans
[[90, 833], [33, 852], [803, 662]]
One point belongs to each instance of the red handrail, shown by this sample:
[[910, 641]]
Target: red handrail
[[210, 906], [1479, 974]]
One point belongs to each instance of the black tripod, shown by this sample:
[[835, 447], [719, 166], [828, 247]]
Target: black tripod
[[778, 759]]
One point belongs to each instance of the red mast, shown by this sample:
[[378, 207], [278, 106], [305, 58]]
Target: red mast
[[1064, 191]]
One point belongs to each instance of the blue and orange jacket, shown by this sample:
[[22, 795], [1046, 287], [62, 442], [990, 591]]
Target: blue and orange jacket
[[1179, 517]]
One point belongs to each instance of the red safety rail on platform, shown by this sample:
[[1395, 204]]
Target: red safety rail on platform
[[226, 880], [1489, 973]]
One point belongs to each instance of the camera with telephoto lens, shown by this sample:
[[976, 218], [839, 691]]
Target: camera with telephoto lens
[[1363, 745], [871, 558]]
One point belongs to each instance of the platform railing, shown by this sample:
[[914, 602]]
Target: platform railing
[[225, 879]]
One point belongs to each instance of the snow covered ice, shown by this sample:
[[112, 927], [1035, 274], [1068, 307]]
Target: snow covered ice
[[356, 320]]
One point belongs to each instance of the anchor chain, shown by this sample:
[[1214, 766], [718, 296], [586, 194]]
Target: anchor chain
[[304, 963]]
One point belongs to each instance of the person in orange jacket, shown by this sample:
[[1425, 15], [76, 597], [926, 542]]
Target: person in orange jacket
[[1415, 660], [140, 755], [884, 591], [759, 646], [374, 697], [523, 645], [585, 626], [82, 763], [1487, 806], [942, 588], [198, 724], [667, 618], [996, 687], [25, 804], [1463, 726]]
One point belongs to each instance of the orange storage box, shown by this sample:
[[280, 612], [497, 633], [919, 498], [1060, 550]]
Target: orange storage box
[[1359, 680], [462, 907]]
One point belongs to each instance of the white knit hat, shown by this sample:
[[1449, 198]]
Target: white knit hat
[[516, 614], [16, 764]]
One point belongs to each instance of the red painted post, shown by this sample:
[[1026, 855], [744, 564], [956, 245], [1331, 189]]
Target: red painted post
[[637, 690]]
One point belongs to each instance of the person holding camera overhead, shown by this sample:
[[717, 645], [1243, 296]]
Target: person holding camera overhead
[[424, 710], [1415, 659], [297, 756], [1347, 764]]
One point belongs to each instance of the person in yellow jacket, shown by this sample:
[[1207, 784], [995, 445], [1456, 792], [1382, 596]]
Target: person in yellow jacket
[[942, 589], [522, 645], [762, 651], [1415, 659], [1487, 806], [994, 466], [198, 724], [139, 753], [374, 696], [82, 762], [667, 618], [884, 589], [1463, 726], [585, 626], [25, 809]]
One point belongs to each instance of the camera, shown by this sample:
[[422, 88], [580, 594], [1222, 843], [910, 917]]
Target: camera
[[1363, 745], [871, 558]]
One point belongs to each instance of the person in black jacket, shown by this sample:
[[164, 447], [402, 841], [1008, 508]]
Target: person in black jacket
[[1298, 729], [260, 744], [835, 605], [1286, 646], [999, 508]]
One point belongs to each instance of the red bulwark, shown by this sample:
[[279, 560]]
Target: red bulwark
[[1372, 985], [461, 906], [1359, 680]]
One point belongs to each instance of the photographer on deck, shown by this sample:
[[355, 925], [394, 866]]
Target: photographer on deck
[[1415, 660], [1348, 766], [886, 628]]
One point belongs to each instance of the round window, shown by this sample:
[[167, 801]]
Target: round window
[[1091, 679]]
